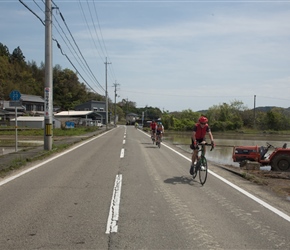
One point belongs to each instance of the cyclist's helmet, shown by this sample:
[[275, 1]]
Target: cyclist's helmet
[[203, 119]]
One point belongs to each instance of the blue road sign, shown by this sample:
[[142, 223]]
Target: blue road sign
[[15, 95]]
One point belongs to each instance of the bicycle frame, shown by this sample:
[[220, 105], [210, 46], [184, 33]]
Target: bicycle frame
[[201, 164]]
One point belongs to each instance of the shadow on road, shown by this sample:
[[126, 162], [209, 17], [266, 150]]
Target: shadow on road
[[147, 143], [181, 180]]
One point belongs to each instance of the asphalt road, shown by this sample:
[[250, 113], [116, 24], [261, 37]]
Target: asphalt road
[[119, 191]]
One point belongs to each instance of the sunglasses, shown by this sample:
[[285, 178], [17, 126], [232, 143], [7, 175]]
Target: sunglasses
[[202, 123]]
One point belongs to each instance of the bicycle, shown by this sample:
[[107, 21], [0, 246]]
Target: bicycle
[[201, 164], [158, 140]]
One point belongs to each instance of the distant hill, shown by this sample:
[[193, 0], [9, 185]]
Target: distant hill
[[265, 109], [269, 108], [262, 109]]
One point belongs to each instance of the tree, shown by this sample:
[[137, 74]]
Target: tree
[[128, 106], [276, 120], [68, 92], [4, 51], [17, 56], [226, 116]]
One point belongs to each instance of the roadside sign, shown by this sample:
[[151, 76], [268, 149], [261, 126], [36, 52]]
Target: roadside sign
[[15, 104], [15, 95], [47, 101]]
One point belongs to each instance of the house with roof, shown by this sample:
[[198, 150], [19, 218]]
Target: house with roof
[[88, 113], [7, 111], [98, 109], [32, 104], [33, 122], [27, 104], [83, 118]]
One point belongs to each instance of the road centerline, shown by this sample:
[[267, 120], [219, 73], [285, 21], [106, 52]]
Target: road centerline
[[112, 223]]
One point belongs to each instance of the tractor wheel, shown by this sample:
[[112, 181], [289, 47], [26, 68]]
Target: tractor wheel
[[281, 163]]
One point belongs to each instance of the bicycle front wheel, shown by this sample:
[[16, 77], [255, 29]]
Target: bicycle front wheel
[[203, 171]]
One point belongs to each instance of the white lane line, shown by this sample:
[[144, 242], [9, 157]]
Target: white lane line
[[49, 160], [256, 199], [112, 223], [264, 204], [122, 153], [124, 141]]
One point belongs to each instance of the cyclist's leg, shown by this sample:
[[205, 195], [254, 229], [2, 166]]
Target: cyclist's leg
[[204, 148], [193, 159], [157, 137], [194, 156]]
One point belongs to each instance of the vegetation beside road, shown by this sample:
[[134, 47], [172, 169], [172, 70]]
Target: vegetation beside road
[[56, 132], [17, 161]]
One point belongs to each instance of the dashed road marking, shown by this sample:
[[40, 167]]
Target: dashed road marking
[[112, 223], [122, 153]]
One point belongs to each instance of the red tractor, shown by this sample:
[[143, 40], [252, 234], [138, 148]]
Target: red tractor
[[279, 159]]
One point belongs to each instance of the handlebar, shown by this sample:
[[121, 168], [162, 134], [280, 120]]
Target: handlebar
[[206, 144]]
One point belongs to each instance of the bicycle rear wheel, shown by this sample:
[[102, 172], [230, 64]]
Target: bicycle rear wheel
[[203, 171]]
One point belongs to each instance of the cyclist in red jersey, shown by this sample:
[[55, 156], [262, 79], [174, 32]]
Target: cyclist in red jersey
[[200, 130], [153, 126]]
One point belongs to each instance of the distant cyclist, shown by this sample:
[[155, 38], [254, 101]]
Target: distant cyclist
[[160, 130], [200, 130], [153, 126]]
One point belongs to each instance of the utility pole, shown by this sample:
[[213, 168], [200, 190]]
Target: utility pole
[[127, 105], [115, 115], [48, 89], [107, 106], [254, 111]]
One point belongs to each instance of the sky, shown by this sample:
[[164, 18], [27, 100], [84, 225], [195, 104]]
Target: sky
[[173, 55]]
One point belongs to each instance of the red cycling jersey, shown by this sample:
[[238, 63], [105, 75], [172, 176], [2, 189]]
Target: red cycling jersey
[[200, 132], [153, 125]]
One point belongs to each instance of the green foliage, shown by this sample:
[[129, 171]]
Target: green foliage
[[119, 112], [17, 56], [180, 121], [28, 78], [276, 120], [56, 132], [4, 51], [150, 113]]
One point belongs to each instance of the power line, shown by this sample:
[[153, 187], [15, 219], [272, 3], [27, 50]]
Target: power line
[[58, 45], [80, 51], [79, 61], [101, 33], [32, 12]]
